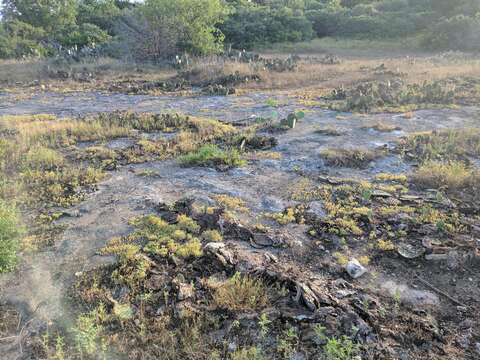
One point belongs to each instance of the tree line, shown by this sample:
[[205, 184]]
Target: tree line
[[154, 30]]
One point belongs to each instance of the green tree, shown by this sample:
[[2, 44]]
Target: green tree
[[50, 15], [195, 21], [102, 13]]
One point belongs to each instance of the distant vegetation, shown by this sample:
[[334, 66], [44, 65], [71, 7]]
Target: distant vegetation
[[156, 30]]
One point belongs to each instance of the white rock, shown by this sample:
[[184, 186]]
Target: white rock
[[355, 269]]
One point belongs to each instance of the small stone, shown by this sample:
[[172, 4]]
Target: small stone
[[355, 269], [185, 291], [232, 347], [436, 257]]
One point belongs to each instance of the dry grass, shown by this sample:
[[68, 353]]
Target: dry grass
[[311, 76], [382, 127], [241, 293], [452, 176], [355, 158], [443, 145], [86, 74]]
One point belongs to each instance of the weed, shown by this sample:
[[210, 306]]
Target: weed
[[212, 155], [241, 293], [442, 145], [212, 235], [10, 232], [288, 342], [285, 217], [87, 332], [453, 175], [231, 203], [264, 323], [59, 350], [364, 260], [385, 245], [342, 259], [251, 353], [188, 224], [340, 349], [271, 102], [401, 178]]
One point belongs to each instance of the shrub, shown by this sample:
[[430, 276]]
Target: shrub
[[10, 232], [458, 33], [252, 24]]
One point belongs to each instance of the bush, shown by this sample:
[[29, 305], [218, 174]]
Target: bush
[[457, 33], [10, 232], [252, 25]]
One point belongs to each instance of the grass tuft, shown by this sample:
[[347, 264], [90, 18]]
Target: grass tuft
[[453, 175], [242, 293], [212, 155], [354, 158]]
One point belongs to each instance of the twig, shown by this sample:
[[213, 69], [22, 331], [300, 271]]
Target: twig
[[438, 291]]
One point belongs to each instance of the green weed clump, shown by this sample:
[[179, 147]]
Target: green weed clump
[[340, 349], [166, 239], [212, 155], [10, 232]]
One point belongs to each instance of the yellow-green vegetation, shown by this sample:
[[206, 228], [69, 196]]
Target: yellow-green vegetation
[[288, 342], [242, 293], [355, 158], [231, 203], [251, 353], [342, 259], [169, 239], [452, 175], [212, 235], [352, 209], [385, 245], [10, 233], [286, 217], [153, 236], [444, 158], [87, 333], [400, 178], [340, 349], [41, 165], [212, 155]]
